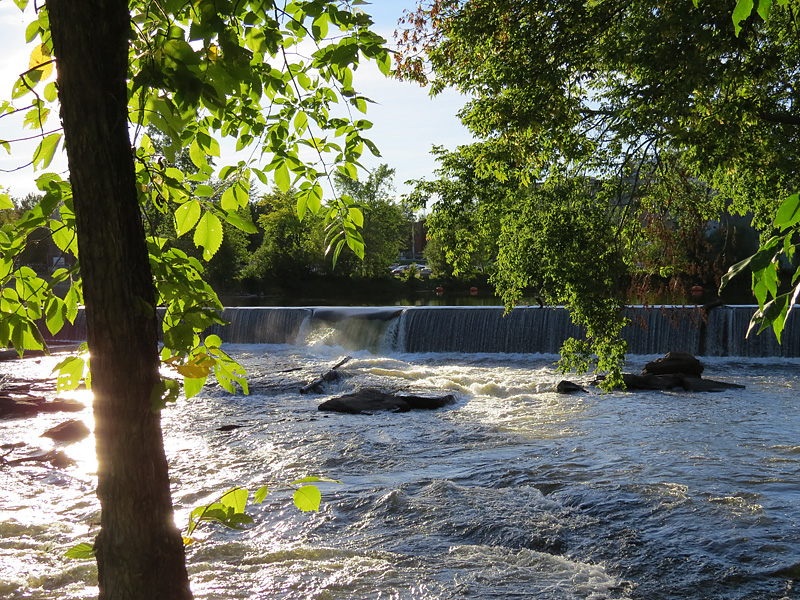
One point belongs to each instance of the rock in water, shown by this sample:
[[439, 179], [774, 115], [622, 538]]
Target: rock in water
[[370, 400], [567, 387], [676, 381], [674, 363], [62, 405], [70, 431], [11, 407]]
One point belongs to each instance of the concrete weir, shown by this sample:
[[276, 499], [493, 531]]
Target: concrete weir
[[653, 330]]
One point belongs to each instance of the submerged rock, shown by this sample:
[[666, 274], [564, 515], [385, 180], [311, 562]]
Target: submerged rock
[[370, 400]]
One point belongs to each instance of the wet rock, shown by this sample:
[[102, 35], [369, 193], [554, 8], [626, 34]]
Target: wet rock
[[29, 406], [674, 363], [696, 384], [333, 374], [13, 407], [225, 428], [568, 387], [62, 405], [677, 381], [56, 458], [70, 431], [371, 400]]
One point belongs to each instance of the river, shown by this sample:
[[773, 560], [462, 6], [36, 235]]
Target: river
[[513, 492]]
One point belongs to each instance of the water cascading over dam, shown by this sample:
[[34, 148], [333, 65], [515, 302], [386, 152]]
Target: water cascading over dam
[[653, 330], [720, 332]]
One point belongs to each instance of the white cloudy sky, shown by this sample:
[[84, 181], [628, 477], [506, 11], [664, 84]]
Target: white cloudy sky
[[407, 122]]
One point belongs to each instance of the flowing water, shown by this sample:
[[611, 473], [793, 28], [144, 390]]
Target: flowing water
[[515, 491]]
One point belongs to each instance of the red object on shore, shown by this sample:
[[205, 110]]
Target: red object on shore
[[473, 291], [697, 292], [439, 291]]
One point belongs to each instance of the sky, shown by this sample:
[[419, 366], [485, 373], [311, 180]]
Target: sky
[[407, 123]]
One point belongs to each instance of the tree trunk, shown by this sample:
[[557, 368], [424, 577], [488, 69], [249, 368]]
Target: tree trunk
[[139, 550]]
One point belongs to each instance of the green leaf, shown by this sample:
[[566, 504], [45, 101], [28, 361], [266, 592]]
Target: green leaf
[[204, 191], [385, 64], [766, 254], [82, 551], [282, 177], [208, 235], [51, 92], [743, 10], [186, 217], [788, 214], [43, 155], [300, 121], [315, 198], [240, 223], [166, 390], [208, 143], [261, 494], [5, 202], [54, 314], [32, 31], [64, 237], [212, 341], [70, 373], [193, 385], [356, 216], [236, 499], [229, 201], [308, 498], [764, 7], [197, 155], [320, 26]]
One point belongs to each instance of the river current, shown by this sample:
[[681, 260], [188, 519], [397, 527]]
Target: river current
[[515, 491]]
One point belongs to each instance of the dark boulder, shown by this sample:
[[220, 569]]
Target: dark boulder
[[696, 384], [13, 407], [371, 400], [674, 363], [677, 381], [62, 405], [70, 431], [568, 387]]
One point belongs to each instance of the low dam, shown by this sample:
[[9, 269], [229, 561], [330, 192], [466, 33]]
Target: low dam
[[653, 330]]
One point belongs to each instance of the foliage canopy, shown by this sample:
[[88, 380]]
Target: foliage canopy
[[633, 97]]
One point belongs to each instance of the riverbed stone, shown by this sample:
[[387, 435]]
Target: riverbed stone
[[674, 363], [370, 400], [12, 407], [70, 431], [568, 387], [687, 383]]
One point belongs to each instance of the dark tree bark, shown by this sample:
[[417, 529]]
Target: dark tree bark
[[139, 550]]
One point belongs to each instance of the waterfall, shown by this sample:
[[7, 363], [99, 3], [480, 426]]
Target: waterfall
[[653, 330], [248, 325]]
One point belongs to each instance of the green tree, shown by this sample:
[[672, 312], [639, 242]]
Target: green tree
[[384, 227], [774, 303], [466, 206], [291, 248], [197, 71], [615, 91]]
